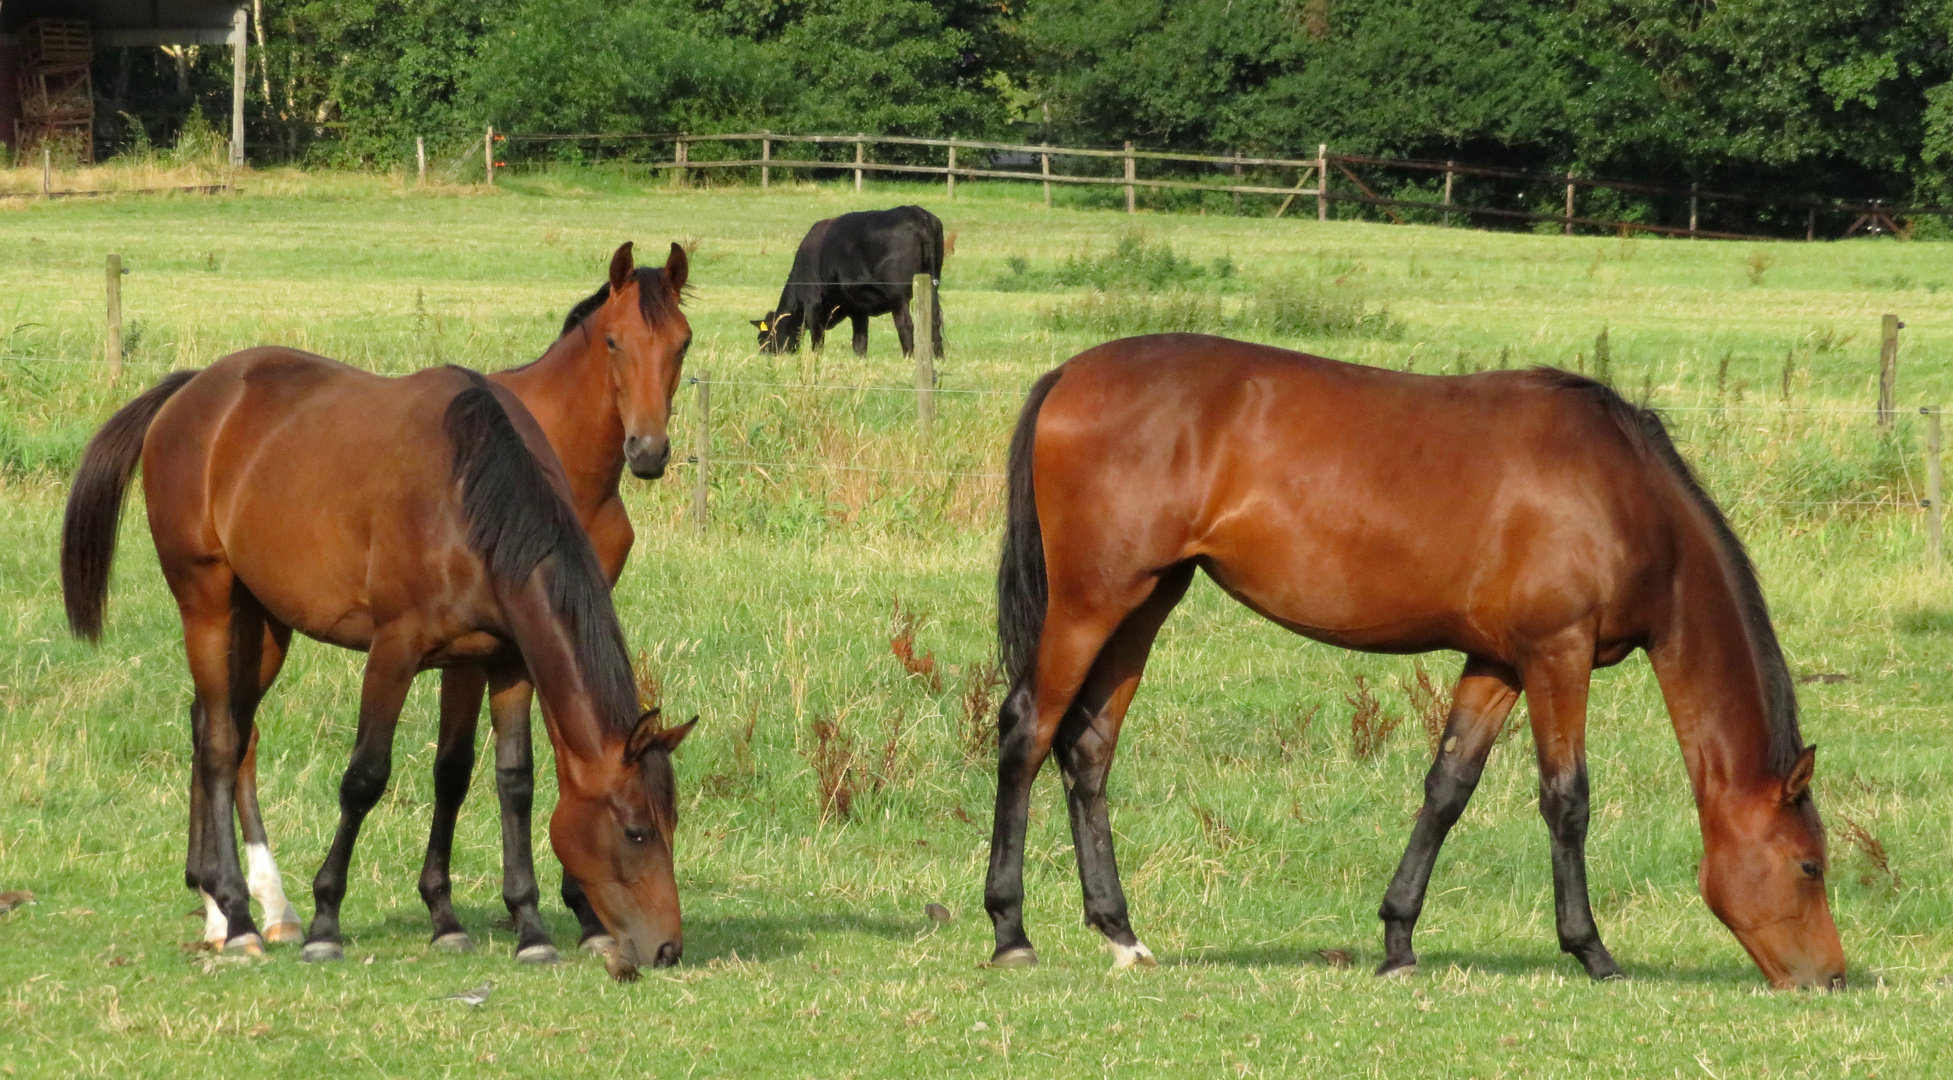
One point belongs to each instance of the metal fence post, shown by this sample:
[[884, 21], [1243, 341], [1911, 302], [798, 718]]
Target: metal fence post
[[113, 348], [922, 313], [702, 450], [1888, 367], [1934, 539]]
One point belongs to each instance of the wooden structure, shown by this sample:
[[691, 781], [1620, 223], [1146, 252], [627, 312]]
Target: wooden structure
[[55, 99]]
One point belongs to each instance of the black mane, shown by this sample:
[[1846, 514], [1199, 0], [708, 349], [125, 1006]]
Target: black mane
[[519, 526], [1644, 429]]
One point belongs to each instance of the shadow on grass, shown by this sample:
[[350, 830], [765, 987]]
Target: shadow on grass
[[1433, 961], [1922, 621], [774, 937]]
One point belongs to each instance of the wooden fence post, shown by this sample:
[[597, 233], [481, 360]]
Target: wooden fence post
[[950, 173], [922, 312], [858, 159], [1567, 229], [113, 349], [47, 171], [1130, 206], [1045, 165], [1322, 181], [1693, 203], [1888, 367], [1810, 225], [420, 160], [1237, 183], [680, 154], [766, 171], [702, 450], [488, 153], [1934, 544], [1447, 191]]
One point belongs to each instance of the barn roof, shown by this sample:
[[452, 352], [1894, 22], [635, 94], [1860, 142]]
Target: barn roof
[[132, 22]]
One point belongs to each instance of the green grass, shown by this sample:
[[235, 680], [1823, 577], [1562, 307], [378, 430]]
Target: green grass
[[807, 953]]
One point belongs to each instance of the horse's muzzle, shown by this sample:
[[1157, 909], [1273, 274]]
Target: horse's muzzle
[[647, 455]]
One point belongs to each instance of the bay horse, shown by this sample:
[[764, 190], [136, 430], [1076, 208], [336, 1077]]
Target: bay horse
[[602, 394], [1533, 521], [421, 520]]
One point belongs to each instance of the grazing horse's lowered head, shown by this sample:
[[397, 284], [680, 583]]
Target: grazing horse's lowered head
[[635, 320]]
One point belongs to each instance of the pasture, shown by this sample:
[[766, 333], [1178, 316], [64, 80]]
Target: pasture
[[1255, 837]]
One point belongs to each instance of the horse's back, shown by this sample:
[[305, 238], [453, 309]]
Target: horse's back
[[1368, 507]]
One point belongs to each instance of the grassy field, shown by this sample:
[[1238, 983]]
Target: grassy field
[[1252, 834]]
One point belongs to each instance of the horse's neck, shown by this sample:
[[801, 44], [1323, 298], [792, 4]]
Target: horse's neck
[[1712, 679], [568, 391]]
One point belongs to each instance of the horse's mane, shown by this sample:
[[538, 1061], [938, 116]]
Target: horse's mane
[[655, 299], [1645, 431], [519, 526]]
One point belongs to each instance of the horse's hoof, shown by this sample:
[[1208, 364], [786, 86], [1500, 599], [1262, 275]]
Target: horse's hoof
[[284, 933], [454, 941], [1131, 956], [538, 954], [598, 944], [1391, 969], [1021, 957], [245, 945], [316, 952]]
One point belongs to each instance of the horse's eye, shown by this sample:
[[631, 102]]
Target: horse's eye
[[636, 836], [1811, 869], [610, 343]]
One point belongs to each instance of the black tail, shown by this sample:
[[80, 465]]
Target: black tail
[[95, 505], [1021, 585], [520, 526]]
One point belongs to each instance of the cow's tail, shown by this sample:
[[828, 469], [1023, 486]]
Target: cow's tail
[[936, 250], [1022, 588], [95, 505]]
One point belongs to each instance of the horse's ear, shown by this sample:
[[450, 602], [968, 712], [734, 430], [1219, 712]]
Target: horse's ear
[[649, 725], [669, 738], [1799, 780], [677, 265], [620, 267]]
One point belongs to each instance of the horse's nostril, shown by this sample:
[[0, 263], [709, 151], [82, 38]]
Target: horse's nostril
[[667, 954]]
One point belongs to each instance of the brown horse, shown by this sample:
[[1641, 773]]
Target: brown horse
[[1533, 521], [421, 520], [602, 395]]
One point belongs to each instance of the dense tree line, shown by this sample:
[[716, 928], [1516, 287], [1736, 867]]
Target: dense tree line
[[1845, 97]]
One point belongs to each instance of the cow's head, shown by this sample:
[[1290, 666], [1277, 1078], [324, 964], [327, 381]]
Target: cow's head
[[779, 332]]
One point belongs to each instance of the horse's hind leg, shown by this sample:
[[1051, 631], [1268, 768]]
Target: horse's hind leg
[[1479, 705], [390, 666], [266, 883], [205, 601], [454, 763], [1075, 631], [1087, 739], [215, 926], [1556, 698], [515, 790]]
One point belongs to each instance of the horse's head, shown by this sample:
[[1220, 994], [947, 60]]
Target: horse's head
[[779, 331], [635, 320], [612, 830], [1763, 875]]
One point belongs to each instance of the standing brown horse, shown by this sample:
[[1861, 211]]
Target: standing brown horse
[[421, 520], [1533, 521], [602, 395]]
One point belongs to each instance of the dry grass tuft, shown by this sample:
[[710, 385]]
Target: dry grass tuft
[[976, 726], [836, 776], [1370, 725], [1292, 735], [1431, 703], [1857, 836], [1218, 833], [901, 642]]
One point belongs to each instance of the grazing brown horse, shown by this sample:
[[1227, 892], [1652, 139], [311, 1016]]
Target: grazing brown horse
[[1533, 521], [602, 395], [421, 520]]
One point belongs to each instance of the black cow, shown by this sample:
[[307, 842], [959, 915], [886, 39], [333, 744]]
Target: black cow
[[857, 266]]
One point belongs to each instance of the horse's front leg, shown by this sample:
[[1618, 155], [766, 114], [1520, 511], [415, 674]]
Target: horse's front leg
[[1556, 698], [1479, 705], [515, 790], [454, 763]]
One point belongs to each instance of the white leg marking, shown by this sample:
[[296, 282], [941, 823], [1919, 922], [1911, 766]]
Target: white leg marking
[[1131, 956], [216, 928], [268, 887]]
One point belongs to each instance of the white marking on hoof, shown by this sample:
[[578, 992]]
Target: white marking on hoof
[[598, 945], [216, 928], [1398, 972], [1131, 956], [1015, 958], [285, 933], [317, 951], [268, 887], [538, 954], [245, 944], [455, 942]]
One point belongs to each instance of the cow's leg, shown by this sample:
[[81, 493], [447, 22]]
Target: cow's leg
[[860, 321], [904, 324], [936, 322]]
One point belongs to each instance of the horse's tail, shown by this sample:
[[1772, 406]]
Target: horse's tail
[[1022, 588], [95, 505]]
